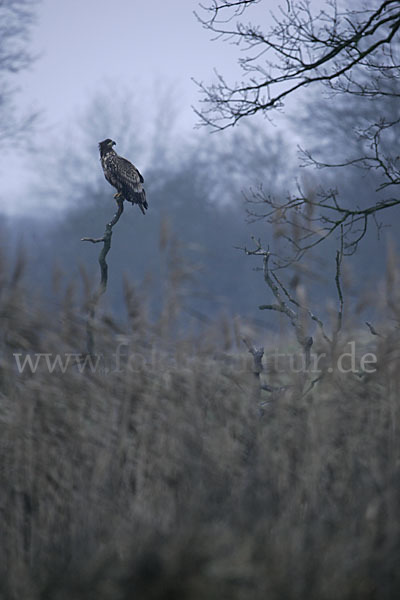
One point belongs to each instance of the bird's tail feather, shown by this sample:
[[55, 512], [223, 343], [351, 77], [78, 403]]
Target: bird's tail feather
[[140, 199]]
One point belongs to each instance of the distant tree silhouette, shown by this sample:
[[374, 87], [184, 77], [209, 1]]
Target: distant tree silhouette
[[16, 20]]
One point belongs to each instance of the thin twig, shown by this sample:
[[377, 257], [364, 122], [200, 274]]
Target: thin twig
[[312, 384], [258, 368], [257, 354], [339, 258], [372, 329]]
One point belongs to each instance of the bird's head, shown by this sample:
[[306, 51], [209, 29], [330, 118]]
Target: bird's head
[[106, 145]]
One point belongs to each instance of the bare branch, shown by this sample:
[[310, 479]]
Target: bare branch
[[372, 329], [106, 240], [339, 258], [317, 219], [280, 292], [257, 354], [330, 47]]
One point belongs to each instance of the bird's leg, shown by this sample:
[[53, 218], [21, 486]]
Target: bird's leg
[[118, 196]]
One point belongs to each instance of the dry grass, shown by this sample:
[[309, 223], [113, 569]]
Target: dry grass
[[162, 480]]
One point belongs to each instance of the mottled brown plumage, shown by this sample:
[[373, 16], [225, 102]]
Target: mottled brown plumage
[[122, 175]]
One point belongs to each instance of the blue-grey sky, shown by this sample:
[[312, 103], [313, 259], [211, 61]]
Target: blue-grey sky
[[81, 44], [137, 42]]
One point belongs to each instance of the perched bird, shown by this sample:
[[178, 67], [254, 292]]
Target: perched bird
[[122, 175]]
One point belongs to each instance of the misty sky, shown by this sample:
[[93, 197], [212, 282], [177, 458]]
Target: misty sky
[[144, 46], [137, 43]]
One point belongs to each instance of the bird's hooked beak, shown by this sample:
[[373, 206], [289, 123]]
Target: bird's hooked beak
[[113, 143]]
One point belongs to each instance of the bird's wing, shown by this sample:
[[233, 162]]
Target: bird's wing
[[125, 168]]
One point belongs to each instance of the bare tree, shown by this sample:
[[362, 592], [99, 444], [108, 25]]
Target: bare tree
[[16, 20], [352, 51], [345, 51]]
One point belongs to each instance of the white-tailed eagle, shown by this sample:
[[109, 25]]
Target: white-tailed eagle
[[122, 175]]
